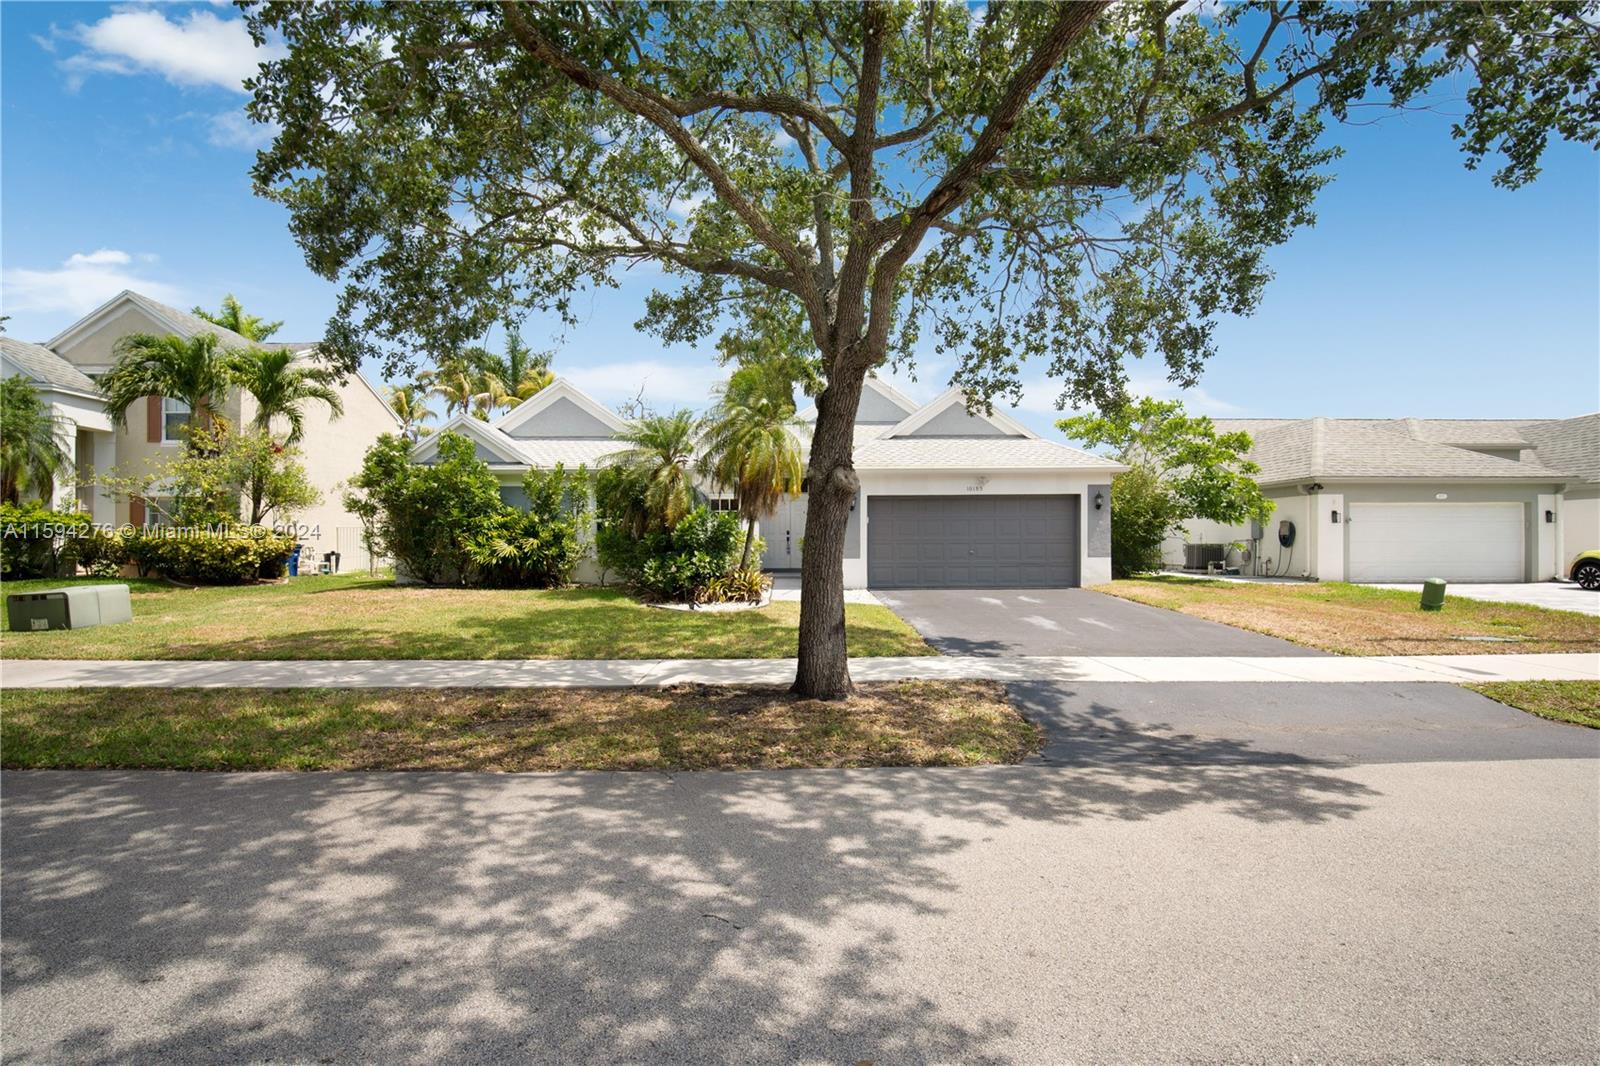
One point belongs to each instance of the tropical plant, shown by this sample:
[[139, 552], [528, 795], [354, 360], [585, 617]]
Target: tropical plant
[[232, 316], [409, 404], [454, 383], [1083, 184], [32, 455], [515, 376], [751, 448], [1181, 469], [541, 546], [283, 385], [660, 454], [195, 370]]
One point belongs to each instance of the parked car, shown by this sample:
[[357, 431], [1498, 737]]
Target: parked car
[[1585, 570]]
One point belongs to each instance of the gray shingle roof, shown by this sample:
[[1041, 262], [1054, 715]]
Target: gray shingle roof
[[190, 325], [1571, 445], [42, 366], [1311, 449]]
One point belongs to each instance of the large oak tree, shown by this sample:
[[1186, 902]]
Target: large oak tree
[[1079, 183]]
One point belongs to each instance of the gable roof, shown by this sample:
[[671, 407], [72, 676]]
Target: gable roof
[[1571, 445], [44, 367], [559, 389], [1313, 449], [949, 398], [882, 388], [479, 432], [183, 323], [541, 453]]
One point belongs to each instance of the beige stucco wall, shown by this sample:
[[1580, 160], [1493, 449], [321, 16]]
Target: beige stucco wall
[[1580, 523]]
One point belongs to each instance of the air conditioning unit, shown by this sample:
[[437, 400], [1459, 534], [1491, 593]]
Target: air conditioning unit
[[1201, 556]]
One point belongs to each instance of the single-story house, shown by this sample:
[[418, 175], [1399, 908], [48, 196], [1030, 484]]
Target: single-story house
[[949, 498], [64, 368], [1402, 500]]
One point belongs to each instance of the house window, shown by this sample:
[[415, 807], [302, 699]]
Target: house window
[[174, 417], [722, 503]]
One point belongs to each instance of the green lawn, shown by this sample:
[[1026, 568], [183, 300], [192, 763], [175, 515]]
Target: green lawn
[[1574, 702], [357, 617], [1357, 620], [688, 727]]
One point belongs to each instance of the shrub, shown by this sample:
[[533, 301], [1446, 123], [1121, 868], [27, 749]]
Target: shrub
[[427, 511], [680, 565], [741, 586], [1144, 513], [231, 555], [36, 541], [100, 552], [537, 548]]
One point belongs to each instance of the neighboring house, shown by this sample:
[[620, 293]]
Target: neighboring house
[[949, 499], [64, 368], [83, 426], [1402, 500]]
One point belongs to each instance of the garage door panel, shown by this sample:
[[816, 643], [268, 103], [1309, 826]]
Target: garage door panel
[[972, 541], [1463, 542]]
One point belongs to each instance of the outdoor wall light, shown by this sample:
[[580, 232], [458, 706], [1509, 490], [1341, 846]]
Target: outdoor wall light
[[1099, 500], [1335, 517], [1549, 516]]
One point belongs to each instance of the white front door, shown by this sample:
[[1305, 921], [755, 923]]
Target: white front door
[[782, 531], [1465, 542]]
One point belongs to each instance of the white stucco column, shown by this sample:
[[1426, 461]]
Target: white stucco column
[[104, 509], [1327, 560], [1546, 539]]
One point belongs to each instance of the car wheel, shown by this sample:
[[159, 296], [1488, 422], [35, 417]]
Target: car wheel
[[1587, 576]]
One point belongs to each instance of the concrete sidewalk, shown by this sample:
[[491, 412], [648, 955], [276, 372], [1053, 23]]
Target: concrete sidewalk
[[616, 673]]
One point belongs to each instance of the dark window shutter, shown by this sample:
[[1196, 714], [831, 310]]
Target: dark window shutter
[[135, 511], [152, 417]]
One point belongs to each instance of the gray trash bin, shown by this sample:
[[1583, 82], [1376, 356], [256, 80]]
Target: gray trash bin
[[78, 607]]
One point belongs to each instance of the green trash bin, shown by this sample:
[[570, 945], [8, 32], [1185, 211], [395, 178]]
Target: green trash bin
[[1433, 594]]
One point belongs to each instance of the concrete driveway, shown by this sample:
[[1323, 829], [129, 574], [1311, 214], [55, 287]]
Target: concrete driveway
[[1554, 595], [1067, 622], [1206, 875]]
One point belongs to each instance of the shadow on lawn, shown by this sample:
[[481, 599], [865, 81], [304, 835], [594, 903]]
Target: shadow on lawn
[[569, 917]]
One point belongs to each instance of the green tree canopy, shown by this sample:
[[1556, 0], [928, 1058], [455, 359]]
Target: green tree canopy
[[1078, 183], [1181, 469]]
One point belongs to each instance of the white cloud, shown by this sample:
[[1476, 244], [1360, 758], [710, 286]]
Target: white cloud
[[82, 283], [195, 49], [664, 385], [233, 129]]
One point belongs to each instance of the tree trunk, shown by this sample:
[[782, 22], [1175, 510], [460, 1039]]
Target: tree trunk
[[824, 667], [749, 538]]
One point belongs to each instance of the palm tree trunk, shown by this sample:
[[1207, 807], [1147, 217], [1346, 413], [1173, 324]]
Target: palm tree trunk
[[749, 539]]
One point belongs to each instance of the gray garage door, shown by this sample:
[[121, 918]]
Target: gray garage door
[[955, 542]]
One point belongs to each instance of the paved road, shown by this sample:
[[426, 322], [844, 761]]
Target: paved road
[[1067, 622], [1226, 886]]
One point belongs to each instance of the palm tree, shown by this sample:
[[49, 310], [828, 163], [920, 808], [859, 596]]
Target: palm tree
[[282, 386], [31, 454], [453, 383], [232, 316], [411, 408], [750, 449], [514, 377], [194, 370], [662, 455]]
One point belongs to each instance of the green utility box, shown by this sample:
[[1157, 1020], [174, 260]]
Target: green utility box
[[1433, 594], [78, 607]]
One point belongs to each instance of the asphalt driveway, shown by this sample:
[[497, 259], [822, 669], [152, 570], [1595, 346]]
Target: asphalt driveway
[[1067, 622], [1194, 873]]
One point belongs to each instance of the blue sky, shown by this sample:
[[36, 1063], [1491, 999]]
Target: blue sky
[[1423, 290]]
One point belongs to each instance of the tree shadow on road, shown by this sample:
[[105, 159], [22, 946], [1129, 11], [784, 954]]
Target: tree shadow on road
[[566, 918]]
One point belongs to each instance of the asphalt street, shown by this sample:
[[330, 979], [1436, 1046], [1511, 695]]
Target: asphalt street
[[1213, 873]]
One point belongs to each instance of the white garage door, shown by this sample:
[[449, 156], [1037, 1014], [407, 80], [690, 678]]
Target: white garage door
[[1456, 541]]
